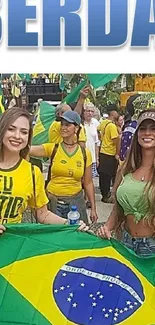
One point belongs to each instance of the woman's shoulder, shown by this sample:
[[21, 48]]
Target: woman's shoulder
[[27, 165]]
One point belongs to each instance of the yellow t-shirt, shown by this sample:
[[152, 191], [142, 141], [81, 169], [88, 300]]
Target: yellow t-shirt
[[67, 170], [16, 191], [108, 133], [55, 136]]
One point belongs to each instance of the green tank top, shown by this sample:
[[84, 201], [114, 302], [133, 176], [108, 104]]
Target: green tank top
[[130, 196]]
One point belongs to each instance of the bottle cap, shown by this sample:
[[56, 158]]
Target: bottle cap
[[74, 208]]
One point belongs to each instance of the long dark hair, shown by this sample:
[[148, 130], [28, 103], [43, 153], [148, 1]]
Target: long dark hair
[[7, 118], [133, 162]]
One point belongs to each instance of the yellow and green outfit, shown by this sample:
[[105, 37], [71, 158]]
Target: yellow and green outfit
[[133, 201], [107, 162], [66, 175], [17, 191]]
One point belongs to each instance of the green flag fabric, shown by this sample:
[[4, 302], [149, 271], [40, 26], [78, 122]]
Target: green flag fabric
[[45, 117], [98, 80], [61, 82], [74, 94], [53, 274]]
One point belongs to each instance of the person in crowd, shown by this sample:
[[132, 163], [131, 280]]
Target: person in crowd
[[21, 184], [109, 151], [133, 214], [119, 124], [55, 128], [128, 129], [70, 165], [92, 143]]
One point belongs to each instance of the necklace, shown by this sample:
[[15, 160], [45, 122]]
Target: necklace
[[143, 177], [70, 144]]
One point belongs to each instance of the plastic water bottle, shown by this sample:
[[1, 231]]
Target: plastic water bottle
[[73, 216]]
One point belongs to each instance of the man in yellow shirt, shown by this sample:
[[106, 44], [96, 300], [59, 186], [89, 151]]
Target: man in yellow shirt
[[109, 151]]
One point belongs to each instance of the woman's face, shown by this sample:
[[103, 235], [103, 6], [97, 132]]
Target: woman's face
[[16, 137], [146, 134], [68, 129]]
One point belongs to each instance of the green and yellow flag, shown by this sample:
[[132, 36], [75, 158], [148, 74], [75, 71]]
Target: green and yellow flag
[[2, 109], [52, 274], [45, 117]]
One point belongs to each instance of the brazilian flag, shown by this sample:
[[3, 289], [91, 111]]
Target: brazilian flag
[[45, 117], [53, 274]]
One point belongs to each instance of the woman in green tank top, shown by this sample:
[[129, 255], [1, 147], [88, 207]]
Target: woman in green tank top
[[133, 216]]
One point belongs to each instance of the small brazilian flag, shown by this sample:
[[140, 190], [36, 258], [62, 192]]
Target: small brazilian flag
[[45, 117], [53, 274]]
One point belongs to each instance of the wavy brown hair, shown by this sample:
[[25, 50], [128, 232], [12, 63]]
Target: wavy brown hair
[[7, 118], [132, 163]]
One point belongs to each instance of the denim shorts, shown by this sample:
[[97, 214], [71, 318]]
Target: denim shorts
[[142, 246]]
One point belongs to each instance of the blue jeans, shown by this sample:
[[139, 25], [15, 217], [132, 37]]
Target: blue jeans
[[142, 246], [62, 209]]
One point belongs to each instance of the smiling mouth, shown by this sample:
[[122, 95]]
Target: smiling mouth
[[15, 143], [147, 139]]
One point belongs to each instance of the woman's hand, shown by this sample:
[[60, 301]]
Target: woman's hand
[[104, 232], [93, 216], [82, 226], [2, 229]]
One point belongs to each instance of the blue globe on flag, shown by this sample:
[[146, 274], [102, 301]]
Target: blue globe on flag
[[97, 290]]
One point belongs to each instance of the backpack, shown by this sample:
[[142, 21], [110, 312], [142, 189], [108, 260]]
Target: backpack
[[53, 155]]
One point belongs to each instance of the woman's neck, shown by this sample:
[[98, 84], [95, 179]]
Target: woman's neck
[[148, 157], [9, 159], [70, 141]]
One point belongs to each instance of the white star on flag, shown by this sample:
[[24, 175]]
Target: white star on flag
[[62, 288], [82, 284], [69, 299], [94, 304], [128, 302], [101, 296], [98, 293], [56, 290], [71, 294], [64, 274], [74, 305], [110, 310], [106, 315], [131, 307], [91, 295]]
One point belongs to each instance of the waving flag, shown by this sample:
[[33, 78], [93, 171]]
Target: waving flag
[[45, 117], [56, 275], [96, 80]]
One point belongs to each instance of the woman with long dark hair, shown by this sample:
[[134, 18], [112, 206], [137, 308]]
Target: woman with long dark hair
[[21, 184], [70, 167], [133, 216]]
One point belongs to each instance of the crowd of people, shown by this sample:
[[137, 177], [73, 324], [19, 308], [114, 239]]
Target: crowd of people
[[118, 149]]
